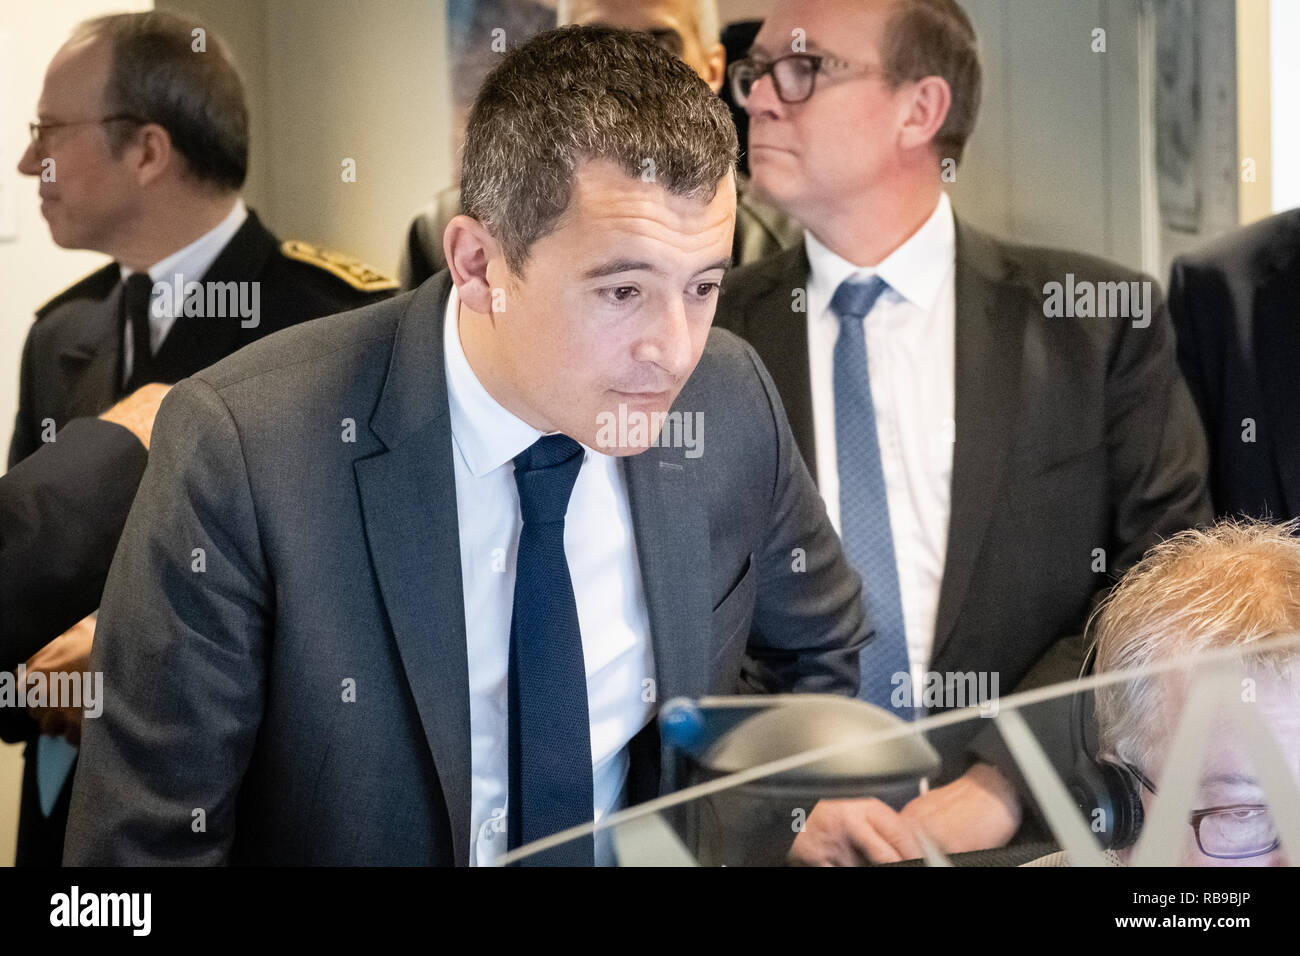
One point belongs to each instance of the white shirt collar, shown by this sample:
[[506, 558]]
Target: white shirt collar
[[915, 270], [486, 434], [193, 261]]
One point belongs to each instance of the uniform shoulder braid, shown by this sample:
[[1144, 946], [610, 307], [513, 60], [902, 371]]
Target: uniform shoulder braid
[[351, 270]]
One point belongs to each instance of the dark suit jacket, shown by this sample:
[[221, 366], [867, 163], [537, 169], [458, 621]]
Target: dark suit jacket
[[1236, 306], [1072, 434], [328, 560], [71, 367], [761, 231], [61, 512]]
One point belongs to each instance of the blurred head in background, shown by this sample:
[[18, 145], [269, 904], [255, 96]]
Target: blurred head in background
[[142, 136], [688, 29]]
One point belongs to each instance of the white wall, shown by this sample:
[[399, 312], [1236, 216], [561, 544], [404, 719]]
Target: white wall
[[1284, 35], [32, 267], [332, 79]]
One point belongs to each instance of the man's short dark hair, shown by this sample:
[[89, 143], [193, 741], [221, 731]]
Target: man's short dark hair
[[157, 76], [935, 38], [586, 93]]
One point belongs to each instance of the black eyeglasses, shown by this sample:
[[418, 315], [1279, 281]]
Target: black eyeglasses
[[794, 75], [38, 130], [1235, 832]]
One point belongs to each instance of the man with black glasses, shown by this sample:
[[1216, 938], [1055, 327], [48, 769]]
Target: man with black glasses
[[990, 457]]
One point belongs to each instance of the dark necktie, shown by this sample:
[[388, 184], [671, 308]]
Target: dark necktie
[[864, 507], [135, 311], [550, 731]]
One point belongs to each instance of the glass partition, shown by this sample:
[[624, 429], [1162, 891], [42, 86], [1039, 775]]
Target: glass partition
[[1190, 762]]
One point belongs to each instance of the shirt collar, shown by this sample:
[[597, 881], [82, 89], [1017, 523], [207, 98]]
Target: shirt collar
[[486, 434], [193, 261], [915, 270]]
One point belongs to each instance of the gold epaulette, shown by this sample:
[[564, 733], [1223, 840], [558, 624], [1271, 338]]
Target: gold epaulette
[[351, 270]]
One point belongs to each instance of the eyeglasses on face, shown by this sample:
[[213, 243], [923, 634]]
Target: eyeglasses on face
[[794, 76], [38, 130], [1238, 831]]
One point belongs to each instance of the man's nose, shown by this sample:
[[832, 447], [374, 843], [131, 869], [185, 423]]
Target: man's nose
[[669, 343], [763, 100], [29, 163]]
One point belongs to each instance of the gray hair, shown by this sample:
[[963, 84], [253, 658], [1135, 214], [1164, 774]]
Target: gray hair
[[1228, 586], [708, 25], [578, 94], [157, 76]]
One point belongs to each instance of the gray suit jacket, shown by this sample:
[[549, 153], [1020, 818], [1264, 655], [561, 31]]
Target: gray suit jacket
[[268, 565]]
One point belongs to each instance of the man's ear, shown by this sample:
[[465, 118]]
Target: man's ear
[[930, 100], [155, 154], [469, 248], [715, 66]]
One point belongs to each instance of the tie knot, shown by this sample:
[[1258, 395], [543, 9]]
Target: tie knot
[[854, 298], [545, 473], [139, 290]]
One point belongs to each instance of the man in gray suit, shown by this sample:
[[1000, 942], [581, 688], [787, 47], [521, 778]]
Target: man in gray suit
[[343, 628]]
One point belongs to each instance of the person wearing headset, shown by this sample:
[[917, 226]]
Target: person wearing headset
[[1233, 585]]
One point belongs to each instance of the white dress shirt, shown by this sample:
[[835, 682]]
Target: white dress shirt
[[191, 264], [911, 348], [603, 566]]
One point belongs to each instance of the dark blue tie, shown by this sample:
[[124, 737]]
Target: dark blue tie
[[550, 731], [864, 507]]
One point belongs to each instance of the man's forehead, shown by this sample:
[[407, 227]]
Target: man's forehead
[[636, 14], [601, 181], [828, 26], [77, 71], [607, 198]]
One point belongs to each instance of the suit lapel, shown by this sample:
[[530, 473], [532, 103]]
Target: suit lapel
[[1277, 344], [92, 361], [408, 499], [671, 524], [767, 320], [989, 348]]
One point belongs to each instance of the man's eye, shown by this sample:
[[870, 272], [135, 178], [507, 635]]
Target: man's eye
[[706, 289], [620, 293]]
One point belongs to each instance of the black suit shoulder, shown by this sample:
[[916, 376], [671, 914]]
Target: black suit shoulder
[[95, 286], [1250, 250]]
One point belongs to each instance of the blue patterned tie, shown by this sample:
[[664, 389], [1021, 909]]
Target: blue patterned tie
[[864, 508], [550, 732]]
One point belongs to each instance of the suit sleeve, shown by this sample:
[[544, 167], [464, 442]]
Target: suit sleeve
[[1193, 353], [24, 441], [1156, 443], [61, 513], [809, 622], [180, 642], [1158, 487]]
